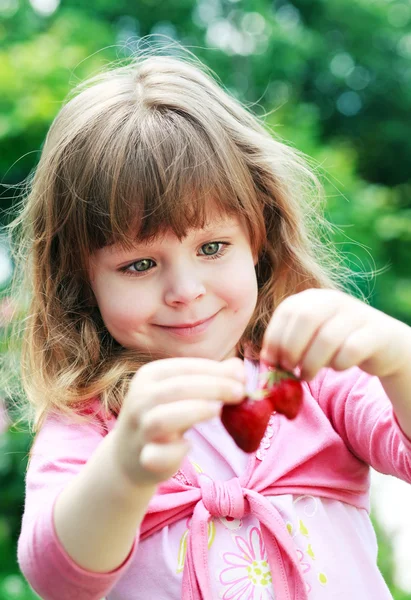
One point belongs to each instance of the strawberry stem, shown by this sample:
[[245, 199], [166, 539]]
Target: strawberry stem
[[275, 375]]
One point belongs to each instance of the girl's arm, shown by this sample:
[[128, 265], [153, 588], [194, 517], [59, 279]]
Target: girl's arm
[[398, 389], [60, 452], [98, 514], [361, 412]]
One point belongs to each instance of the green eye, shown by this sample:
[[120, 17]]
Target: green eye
[[142, 265], [210, 248]]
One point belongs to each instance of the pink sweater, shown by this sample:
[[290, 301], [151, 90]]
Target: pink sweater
[[289, 522]]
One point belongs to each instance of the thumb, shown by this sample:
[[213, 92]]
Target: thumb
[[235, 367]]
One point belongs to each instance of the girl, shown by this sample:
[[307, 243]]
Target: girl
[[171, 245]]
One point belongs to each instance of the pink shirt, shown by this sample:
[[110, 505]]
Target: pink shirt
[[288, 522]]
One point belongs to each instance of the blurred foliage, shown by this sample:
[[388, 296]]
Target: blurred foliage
[[333, 77], [14, 446]]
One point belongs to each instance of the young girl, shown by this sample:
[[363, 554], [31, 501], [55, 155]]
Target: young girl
[[172, 244]]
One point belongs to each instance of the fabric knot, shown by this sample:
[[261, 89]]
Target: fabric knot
[[222, 498]]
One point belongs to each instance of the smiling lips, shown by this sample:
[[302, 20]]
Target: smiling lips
[[189, 329]]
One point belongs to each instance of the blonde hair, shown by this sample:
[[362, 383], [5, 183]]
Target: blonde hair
[[136, 151]]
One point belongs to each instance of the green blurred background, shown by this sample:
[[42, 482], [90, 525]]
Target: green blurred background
[[335, 78]]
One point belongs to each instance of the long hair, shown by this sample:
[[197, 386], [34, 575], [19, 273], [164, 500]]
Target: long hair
[[137, 151]]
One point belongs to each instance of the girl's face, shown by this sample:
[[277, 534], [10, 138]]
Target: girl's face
[[152, 297]]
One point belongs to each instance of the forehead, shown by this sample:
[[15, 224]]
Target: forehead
[[215, 221], [215, 224]]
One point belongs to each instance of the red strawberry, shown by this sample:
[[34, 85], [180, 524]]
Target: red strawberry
[[281, 391], [284, 391], [246, 422]]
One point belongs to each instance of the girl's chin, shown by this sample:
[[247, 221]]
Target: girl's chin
[[183, 350], [197, 353]]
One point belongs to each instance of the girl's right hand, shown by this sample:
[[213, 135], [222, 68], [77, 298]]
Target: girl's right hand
[[167, 397]]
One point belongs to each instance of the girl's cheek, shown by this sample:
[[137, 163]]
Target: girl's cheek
[[123, 311], [240, 281]]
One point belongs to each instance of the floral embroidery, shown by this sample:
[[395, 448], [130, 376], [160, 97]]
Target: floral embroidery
[[300, 531], [179, 475], [303, 529], [231, 523], [248, 574], [182, 550], [309, 508], [310, 552], [197, 467], [181, 478], [266, 441], [304, 566]]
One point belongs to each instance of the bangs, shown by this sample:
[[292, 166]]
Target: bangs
[[163, 173]]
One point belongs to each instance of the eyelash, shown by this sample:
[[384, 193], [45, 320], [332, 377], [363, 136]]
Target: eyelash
[[218, 254]]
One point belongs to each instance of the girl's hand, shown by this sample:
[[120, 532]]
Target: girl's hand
[[320, 328], [166, 398]]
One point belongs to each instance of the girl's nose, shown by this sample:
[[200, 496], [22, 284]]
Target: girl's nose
[[184, 289]]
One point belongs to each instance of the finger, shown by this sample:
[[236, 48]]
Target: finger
[[292, 330], [167, 422], [295, 339], [169, 367], [187, 387], [184, 388], [358, 350], [164, 459], [234, 367], [327, 341], [272, 337]]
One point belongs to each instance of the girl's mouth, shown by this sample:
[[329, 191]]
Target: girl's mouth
[[189, 331]]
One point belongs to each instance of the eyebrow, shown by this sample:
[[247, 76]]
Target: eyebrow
[[221, 225], [216, 228]]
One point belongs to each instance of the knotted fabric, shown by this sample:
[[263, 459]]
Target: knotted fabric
[[222, 498], [228, 498]]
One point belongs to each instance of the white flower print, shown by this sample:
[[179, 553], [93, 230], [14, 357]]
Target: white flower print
[[248, 575]]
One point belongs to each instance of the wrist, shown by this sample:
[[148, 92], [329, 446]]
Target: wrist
[[398, 357], [397, 386], [98, 514], [127, 485]]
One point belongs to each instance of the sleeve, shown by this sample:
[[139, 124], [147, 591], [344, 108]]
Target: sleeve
[[58, 454], [362, 414]]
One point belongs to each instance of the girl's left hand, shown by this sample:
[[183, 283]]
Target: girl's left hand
[[320, 328]]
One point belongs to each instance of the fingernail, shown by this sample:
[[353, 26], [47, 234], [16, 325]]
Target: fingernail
[[215, 407], [238, 391], [266, 357], [240, 375], [235, 358], [239, 371], [286, 365], [306, 376]]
